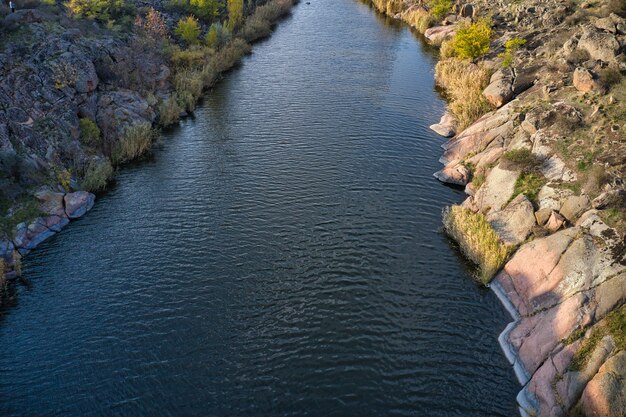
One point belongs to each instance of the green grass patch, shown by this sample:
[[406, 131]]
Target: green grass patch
[[477, 240], [529, 184]]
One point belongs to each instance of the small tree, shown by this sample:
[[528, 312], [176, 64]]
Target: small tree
[[153, 24], [188, 30], [440, 8], [212, 37], [235, 13], [206, 9], [472, 41], [510, 47]]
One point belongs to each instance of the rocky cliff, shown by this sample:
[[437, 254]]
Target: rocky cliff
[[81, 93], [542, 159]]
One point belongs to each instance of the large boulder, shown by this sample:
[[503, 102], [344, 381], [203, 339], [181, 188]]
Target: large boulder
[[496, 191], [584, 80], [457, 174], [51, 202], [599, 45], [446, 126], [513, 223], [499, 92], [574, 207], [437, 34], [78, 203]]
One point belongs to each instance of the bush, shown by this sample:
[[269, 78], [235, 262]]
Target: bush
[[477, 240], [472, 41], [188, 58], [235, 13], [522, 158], [446, 50], [89, 132], [510, 47], [169, 111], [440, 8], [188, 30], [204, 9], [137, 140], [188, 85], [464, 83], [213, 37], [153, 24], [103, 10], [97, 175]]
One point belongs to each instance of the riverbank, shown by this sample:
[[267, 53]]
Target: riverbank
[[86, 90], [537, 96]]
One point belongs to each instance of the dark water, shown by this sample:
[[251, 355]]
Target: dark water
[[280, 255]]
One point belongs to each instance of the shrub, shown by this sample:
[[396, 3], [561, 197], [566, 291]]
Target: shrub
[[256, 28], [472, 41], [477, 240], [440, 8], [464, 83], [188, 58], [136, 141], [235, 13], [521, 158], [169, 111], [213, 37], [89, 132], [204, 9], [97, 175], [103, 10], [188, 85], [153, 24], [610, 76], [446, 50], [510, 47], [188, 30]]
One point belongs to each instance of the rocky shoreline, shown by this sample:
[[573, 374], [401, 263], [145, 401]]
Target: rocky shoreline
[[64, 77], [552, 205]]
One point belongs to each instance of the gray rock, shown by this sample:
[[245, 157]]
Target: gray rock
[[574, 206], [599, 45], [445, 127], [513, 223]]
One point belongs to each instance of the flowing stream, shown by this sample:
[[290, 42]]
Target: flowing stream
[[281, 254]]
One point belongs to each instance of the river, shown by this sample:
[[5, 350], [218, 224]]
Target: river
[[281, 254]]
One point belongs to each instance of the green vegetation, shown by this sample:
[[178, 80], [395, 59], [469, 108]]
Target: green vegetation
[[97, 175], [472, 41], [89, 132], [464, 83], [614, 325], [235, 13], [25, 210], [103, 10], [169, 111], [521, 158], [510, 47], [259, 25], [188, 29], [529, 184], [204, 9], [440, 8], [477, 240], [137, 140]]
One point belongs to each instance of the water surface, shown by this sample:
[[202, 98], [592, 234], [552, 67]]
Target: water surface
[[280, 255]]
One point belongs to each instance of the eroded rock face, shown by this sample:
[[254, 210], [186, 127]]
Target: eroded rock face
[[457, 174], [605, 394], [119, 110]]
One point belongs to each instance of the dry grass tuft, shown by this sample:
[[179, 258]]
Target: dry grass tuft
[[464, 83], [477, 240]]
